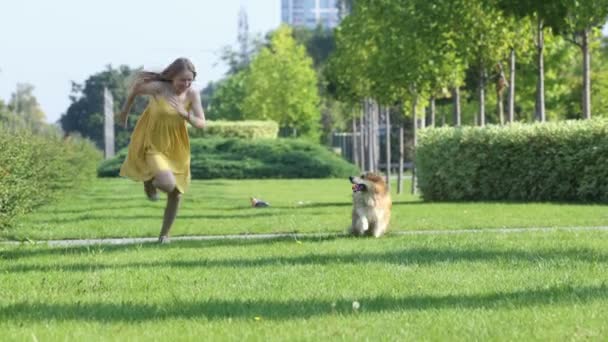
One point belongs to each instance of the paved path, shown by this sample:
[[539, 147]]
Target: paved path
[[127, 241]]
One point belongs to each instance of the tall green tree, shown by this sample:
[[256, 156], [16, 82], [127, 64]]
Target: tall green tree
[[9, 119], [559, 82], [24, 104], [85, 113], [226, 101], [319, 43], [575, 20], [282, 86], [581, 19], [222, 100], [544, 14], [520, 51], [380, 55], [344, 7], [599, 88], [488, 34]]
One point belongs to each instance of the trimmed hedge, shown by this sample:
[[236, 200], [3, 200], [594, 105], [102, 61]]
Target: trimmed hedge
[[36, 168], [242, 159], [562, 161], [237, 129]]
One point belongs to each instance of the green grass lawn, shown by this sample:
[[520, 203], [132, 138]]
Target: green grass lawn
[[471, 286], [118, 208], [491, 286]]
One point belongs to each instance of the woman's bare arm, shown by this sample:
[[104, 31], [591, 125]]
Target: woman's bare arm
[[197, 119], [139, 88]]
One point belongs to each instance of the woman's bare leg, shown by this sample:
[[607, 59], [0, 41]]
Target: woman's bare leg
[[165, 181], [173, 200], [150, 190]]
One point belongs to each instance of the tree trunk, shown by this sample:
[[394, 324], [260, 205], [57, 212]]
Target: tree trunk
[[501, 84], [586, 75], [376, 108], [540, 87], [433, 110], [387, 113], [415, 134], [401, 160], [370, 140], [512, 86], [482, 96], [362, 140], [354, 142], [499, 107], [501, 111], [374, 136], [368, 137], [422, 120], [457, 113], [365, 132]]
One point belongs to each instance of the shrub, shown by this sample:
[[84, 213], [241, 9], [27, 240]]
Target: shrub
[[237, 129], [242, 159], [37, 168], [563, 161]]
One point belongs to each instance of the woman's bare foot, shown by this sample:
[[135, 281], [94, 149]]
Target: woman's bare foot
[[150, 191]]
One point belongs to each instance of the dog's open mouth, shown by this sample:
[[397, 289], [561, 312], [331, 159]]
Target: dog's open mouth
[[359, 187]]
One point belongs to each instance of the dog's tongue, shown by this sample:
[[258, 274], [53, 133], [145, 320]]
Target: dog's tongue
[[356, 187]]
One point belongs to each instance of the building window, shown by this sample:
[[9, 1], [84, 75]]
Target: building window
[[310, 4], [328, 4]]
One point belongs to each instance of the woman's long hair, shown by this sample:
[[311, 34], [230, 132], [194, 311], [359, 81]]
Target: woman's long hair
[[167, 75]]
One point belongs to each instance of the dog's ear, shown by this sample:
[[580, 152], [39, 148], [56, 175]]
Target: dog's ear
[[372, 177]]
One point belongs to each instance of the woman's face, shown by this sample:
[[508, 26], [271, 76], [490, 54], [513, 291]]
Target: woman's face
[[183, 81]]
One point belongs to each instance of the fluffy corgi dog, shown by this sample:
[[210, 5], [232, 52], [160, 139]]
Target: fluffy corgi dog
[[371, 205]]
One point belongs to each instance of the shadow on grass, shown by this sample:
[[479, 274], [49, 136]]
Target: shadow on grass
[[295, 309], [414, 256]]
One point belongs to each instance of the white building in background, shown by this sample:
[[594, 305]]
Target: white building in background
[[310, 13]]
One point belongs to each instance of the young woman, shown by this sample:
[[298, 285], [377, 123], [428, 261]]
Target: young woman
[[159, 151]]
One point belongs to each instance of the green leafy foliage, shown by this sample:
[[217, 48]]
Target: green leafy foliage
[[243, 159], [237, 129], [85, 113], [36, 168], [565, 161], [226, 99], [281, 85], [25, 106]]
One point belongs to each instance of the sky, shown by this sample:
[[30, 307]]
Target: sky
[[51, 43]]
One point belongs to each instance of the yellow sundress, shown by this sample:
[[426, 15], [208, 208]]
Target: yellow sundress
[[159, 143]]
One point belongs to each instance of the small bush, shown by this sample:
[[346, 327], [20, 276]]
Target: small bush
[[237, 129], [562, 161], [242, 159], [36, 168]]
